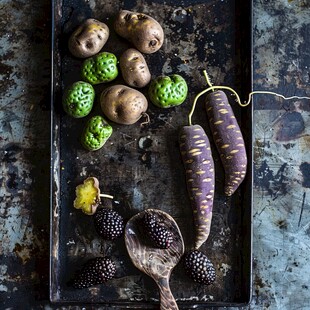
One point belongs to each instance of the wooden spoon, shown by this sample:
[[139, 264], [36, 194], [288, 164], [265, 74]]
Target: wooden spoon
[[155, 262]]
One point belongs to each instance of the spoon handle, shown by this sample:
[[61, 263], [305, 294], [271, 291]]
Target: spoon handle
[[167, 301]]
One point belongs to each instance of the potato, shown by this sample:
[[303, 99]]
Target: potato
[[134, 68], [144, 32], [88, 39], [122, 104]]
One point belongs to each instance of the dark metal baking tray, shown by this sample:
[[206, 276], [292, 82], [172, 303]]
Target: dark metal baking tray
[[141, 165]]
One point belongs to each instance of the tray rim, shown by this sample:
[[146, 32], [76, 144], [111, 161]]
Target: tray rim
[[54, 190]]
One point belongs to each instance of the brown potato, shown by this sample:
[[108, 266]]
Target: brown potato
[[143, 31], [134, 68], [122, 104], [88, 39]]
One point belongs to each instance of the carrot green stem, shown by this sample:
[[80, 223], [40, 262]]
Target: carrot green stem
[[212, 87]]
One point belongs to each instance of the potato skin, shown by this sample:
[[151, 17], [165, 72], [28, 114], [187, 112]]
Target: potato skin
[[88, 39], [123, 104], [134, 68], [143, 31]]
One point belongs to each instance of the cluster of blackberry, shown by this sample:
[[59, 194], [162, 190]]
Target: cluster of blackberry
[[160, 235], [109, 224], [95, 271], [199, 267]]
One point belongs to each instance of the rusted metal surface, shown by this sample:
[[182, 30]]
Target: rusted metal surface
[[281, 177], [281, 197], [24, 152]]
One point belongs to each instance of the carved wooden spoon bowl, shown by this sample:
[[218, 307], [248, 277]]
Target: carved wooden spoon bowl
[[155, 262]]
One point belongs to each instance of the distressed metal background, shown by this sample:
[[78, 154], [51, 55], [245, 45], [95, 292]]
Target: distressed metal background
[[281, 202], [282, 156]]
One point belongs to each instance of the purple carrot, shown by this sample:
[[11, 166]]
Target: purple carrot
[[228, 139], [199, 169]]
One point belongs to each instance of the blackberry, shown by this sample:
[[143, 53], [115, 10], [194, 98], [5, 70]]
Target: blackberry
[[108, 223], [157, 231], [95, 271], [199, 267]]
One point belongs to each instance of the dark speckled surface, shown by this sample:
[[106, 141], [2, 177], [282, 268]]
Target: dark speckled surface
[[281, 159], [151, 175]]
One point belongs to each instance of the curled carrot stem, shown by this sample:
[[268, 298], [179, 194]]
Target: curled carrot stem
[[238, 100], [269, 93]]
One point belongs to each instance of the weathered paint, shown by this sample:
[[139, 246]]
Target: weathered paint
[[281, 194]]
